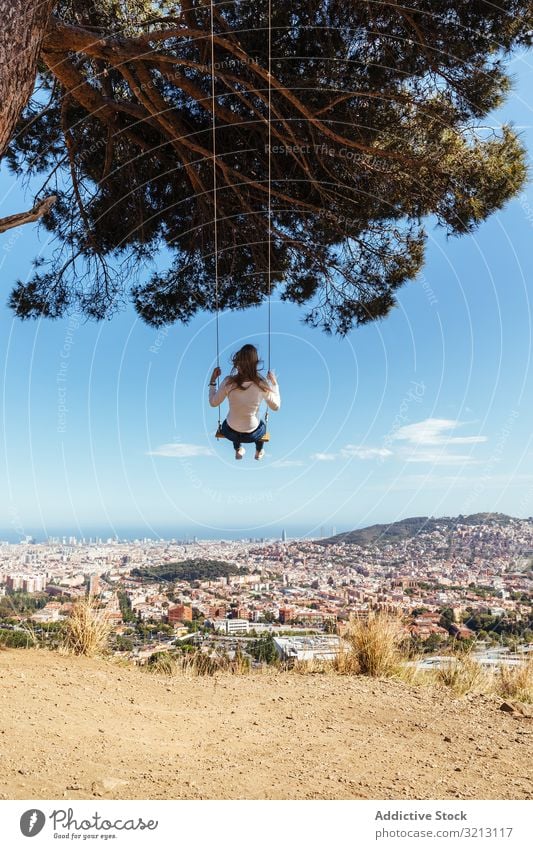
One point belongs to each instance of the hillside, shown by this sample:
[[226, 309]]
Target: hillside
[[76, 728], [187, 570], [408, 528]]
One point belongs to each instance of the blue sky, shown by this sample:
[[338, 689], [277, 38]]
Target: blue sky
[[106, 428]]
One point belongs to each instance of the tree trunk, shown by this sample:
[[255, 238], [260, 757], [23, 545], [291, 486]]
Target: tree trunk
[[24, 24]]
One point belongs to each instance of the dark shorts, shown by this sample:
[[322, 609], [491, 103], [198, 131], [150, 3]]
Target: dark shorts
[[237, 438]]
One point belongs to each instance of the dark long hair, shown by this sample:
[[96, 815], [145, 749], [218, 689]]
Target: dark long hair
[[246, 365]]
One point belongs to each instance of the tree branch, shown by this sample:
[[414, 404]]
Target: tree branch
[[40, 209]]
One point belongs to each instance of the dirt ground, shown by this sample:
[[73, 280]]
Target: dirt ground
[[76, 728]]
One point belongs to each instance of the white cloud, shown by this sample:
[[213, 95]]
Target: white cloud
[[423, 442], [435, 479], [286, 464], [358, 452], [440, 458], [181, 449], [435, 432], [361, 452], [428, 441]]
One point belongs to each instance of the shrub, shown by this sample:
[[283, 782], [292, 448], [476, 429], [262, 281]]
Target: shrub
[[162, 662], [264, 649], [346, 662], [21, 638], [377, 645], [464, 675], [87, 629], [515, 682]]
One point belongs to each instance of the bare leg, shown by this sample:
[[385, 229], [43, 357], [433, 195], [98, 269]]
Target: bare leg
[[239, 450]]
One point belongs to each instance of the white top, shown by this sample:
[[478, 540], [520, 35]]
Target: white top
[[244, 403]]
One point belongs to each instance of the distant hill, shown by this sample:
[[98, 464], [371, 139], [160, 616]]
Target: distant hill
[[408, 528]]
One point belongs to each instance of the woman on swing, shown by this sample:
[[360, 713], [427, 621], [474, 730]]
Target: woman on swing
[[245, 388]]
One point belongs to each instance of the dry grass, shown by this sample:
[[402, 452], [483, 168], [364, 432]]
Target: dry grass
[[240, 665], [375, 649], [464, 675], [410, 674], [376, 646], [201, 663], [161, 663], [309, 667], [515, 682], [87, 629], [196, 663], [31, 636], [346, 662]]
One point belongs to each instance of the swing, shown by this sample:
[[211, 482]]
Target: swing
[[219, 434]]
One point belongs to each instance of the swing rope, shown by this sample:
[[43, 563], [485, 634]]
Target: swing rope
[[269, 119], [269, 235], [215, 206], [215, 189]]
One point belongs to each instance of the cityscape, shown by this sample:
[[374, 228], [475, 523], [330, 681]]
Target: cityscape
[[451, 580]]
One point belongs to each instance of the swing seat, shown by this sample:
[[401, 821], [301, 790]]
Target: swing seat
[[220, 435]]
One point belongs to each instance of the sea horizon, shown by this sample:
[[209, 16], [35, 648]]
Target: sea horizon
[[163, 533], [125, 534]]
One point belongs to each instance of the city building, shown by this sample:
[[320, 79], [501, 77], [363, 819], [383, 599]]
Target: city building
[[179, 613], [231, 626], [94, 585], [322, 647]]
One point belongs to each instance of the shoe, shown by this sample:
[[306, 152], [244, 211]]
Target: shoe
[[259, 454], [240, 452]]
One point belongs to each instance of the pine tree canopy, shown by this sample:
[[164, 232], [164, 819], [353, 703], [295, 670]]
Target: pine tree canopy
[[378, 128]]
